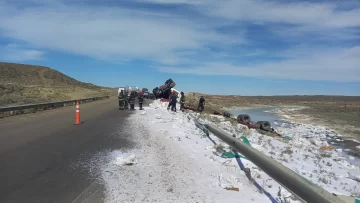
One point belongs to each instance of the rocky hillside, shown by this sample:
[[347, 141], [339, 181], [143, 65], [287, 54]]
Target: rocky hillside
[[24, 84]]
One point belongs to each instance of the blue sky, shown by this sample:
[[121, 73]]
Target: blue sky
[[242, 47]]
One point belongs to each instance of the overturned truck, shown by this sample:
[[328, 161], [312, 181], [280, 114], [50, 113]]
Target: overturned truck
[[164, 91]]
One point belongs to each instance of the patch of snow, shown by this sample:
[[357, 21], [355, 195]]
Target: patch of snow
[[122, 161], [176, 162], [357, 141]]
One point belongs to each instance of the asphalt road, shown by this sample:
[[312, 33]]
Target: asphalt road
[[39, 153]]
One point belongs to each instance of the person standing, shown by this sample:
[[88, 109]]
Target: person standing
[[141, 100], [126, 100], [173, 102], [170, 95], [201, 104], [155, 92], [182, 101], [132, 100], [121, 100]]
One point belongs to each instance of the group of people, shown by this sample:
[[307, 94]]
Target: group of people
[[125, 100], [173, 101]]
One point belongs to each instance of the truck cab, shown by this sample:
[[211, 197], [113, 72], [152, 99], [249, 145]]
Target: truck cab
[[145, 92]]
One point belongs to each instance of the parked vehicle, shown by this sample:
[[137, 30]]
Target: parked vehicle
[[129, 89], [145, 93]]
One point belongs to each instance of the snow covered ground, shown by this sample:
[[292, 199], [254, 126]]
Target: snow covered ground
[[346, 146], [175, 162]]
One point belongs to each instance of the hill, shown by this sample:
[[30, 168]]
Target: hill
[[24, 84]]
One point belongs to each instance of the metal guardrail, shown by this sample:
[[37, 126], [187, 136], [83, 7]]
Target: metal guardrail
[[298, 185], [48, 104]]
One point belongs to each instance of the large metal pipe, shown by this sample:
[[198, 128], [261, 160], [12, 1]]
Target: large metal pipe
[[297, 184]]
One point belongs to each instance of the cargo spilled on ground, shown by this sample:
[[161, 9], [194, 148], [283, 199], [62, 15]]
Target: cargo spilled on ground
[[174, 160], [348, 148], [341, 114]]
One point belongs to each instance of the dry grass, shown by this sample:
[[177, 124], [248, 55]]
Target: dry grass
[[192, 100], [341, 113], [321, 103], [25, 84]]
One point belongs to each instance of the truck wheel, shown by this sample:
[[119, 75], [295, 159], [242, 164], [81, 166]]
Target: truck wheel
[[244, 118], [264, 125]]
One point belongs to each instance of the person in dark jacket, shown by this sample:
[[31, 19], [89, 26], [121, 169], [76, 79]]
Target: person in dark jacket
[[121, 100], [126, 100], [173, 101], [132, 100], [170, 95], [141, 100], [155, 92], [201, 104], [182, 101]]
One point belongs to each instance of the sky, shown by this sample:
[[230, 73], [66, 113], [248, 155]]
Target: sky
[[231, 47]]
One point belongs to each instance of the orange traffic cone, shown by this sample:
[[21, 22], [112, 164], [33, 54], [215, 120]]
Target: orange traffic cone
[[77, 114]]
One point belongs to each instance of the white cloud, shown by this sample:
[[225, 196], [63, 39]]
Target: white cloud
[[124, 34], [16, 53], [317, 14], [300, 13], [325, 20], [108, 33], [191, 2], [315, 33], [334, 65]]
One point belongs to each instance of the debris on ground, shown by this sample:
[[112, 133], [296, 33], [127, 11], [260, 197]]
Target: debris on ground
[[200, 170], [122, 161], [327, 148], [232, 188]]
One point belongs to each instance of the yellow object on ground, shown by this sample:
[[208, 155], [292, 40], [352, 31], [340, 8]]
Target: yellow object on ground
[[327, 148]]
